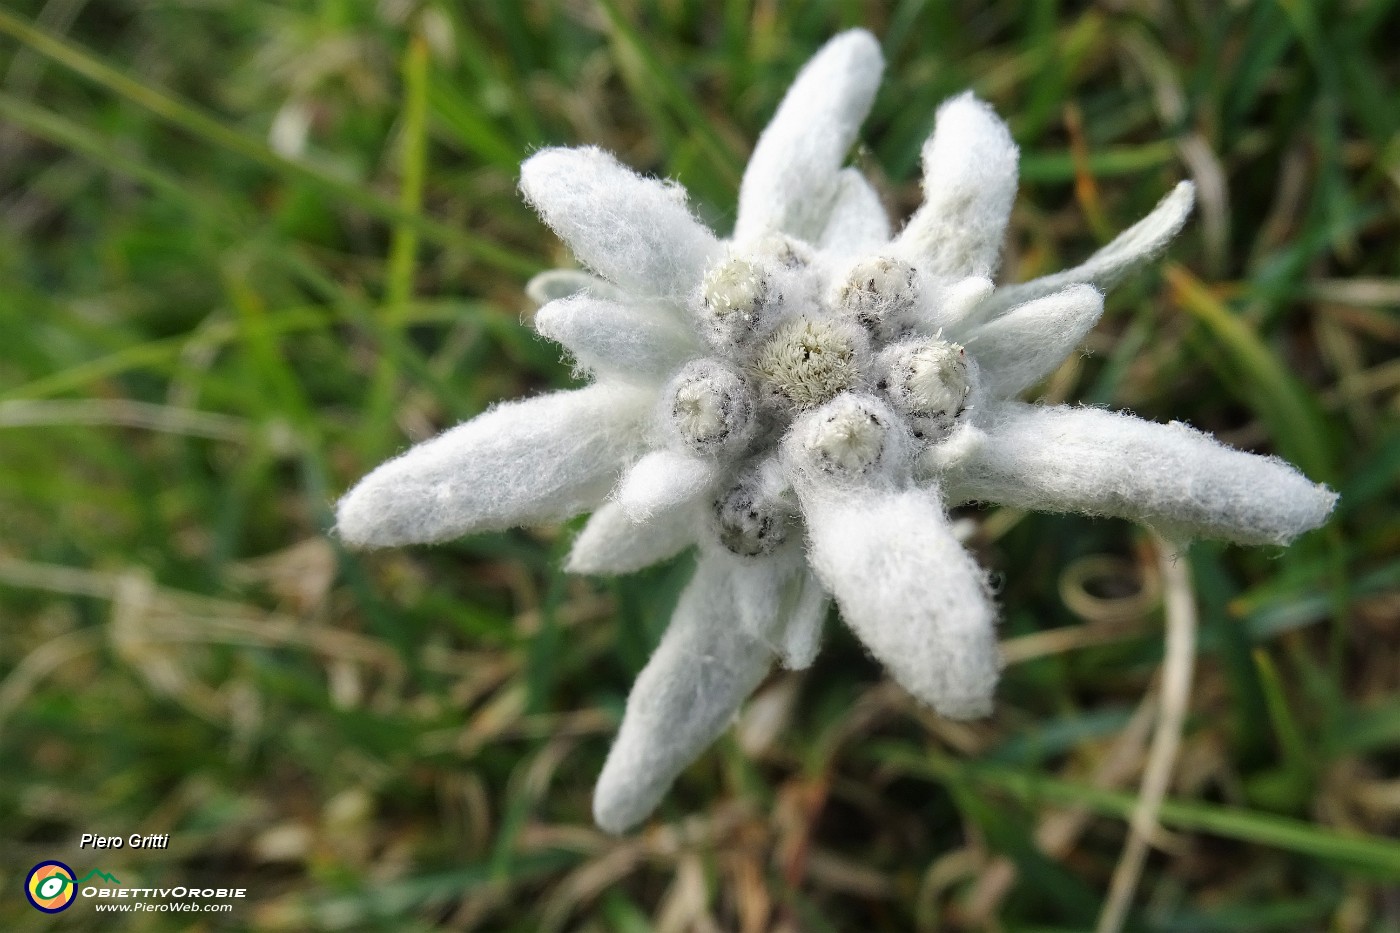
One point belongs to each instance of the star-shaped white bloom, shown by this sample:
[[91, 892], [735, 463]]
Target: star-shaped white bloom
[[803, 403]]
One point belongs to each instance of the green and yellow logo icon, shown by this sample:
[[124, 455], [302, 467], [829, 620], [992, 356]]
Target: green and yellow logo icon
[[51, 887]]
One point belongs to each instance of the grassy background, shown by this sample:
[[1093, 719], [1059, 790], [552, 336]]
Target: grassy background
[[248, 250]]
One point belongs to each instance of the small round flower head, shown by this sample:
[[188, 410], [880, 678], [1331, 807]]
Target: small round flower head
[[928, 381], [881, 292], [710, 408], [748, 522], [807, 362], [850, 436], [733, 296]]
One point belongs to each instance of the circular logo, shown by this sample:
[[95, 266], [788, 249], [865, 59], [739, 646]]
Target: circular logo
[[50, 887]]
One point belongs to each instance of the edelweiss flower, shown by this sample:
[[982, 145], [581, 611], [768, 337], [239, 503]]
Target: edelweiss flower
[[803, 403]]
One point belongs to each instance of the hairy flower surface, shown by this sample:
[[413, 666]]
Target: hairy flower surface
[[802, 403]]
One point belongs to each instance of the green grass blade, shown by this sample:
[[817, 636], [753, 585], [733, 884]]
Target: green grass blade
[[203, 126], [663, 80], [1373, 854], [403, 249], [1293, 418]]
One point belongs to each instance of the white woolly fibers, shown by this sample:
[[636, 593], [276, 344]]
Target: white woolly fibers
[[777, 601], [882, 293], [612, 543], [792, 177], [664, 479], [887, 552], [747, 519], [928, 381], [554, 284], [858, 223], [907, 588], [969, 184], [527, 462], [1139, 244], [708, 409], [954, 304], [734, 288], [1023, 346], [759, 583], [628, 340], [850, 436], [630, 230], [802, 636], [685, 697], [1170, 476]]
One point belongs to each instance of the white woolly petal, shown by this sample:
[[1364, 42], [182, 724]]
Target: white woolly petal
[[526, 462], [1020, 348], [858, 223], [1170, 476], [948, 308], [947, 454], [612, 543], [553, 284], [682, 701], [1140, 243], [908, 589], [664, 479], [792, 177], [778, 602], [802, 637], [629, 340], [970, 165], [634, 231]]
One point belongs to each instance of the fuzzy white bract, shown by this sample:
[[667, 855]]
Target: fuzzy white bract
[[802, 403]]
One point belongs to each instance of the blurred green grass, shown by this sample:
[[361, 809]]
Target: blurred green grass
[[249, 250]]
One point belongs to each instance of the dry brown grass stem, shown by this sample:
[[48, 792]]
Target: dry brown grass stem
[[1178, 667], [1059, 830]]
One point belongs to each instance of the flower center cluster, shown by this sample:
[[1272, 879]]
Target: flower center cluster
[[788, 334], [806, 362]]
